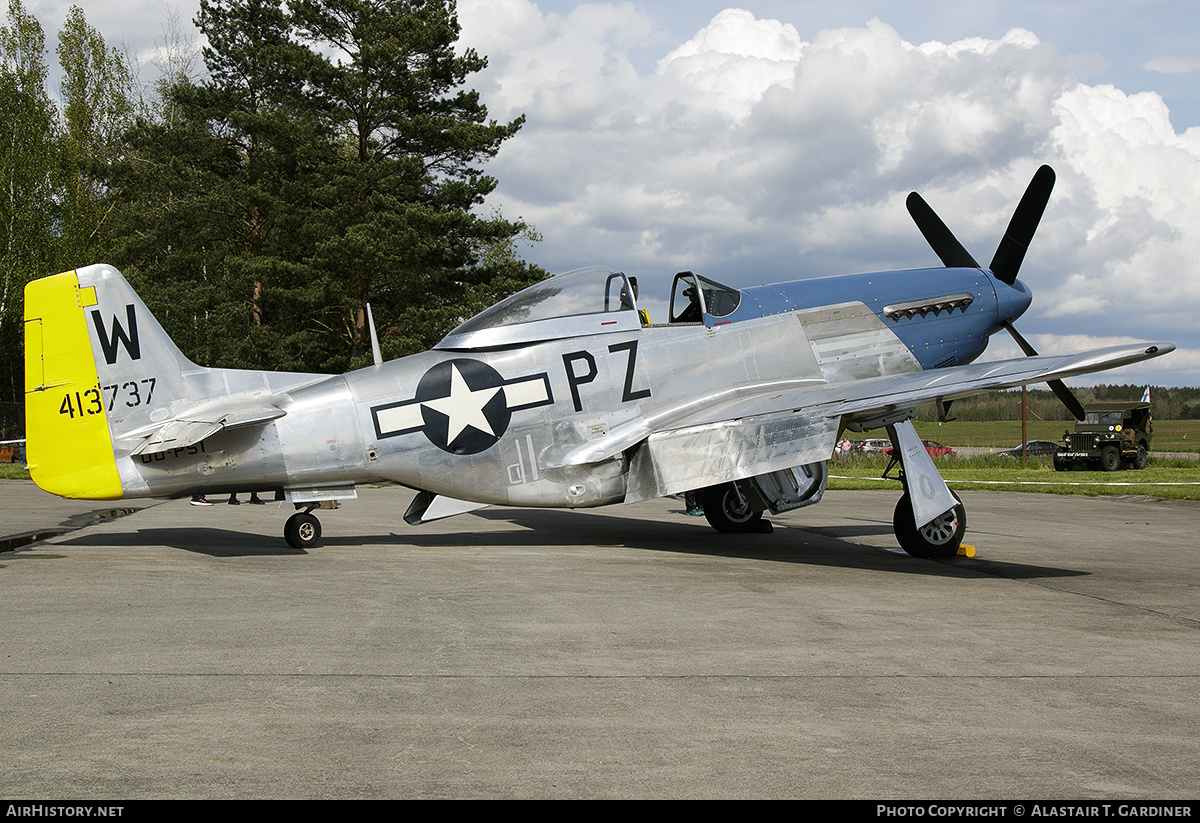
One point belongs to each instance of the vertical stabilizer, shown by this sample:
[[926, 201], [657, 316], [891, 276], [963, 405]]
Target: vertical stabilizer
[[98, 368]]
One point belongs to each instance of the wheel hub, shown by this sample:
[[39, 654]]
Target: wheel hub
[[941, 529]]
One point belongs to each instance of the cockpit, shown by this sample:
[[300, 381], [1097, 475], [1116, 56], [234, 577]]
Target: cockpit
[[586, 301], [693, 298]]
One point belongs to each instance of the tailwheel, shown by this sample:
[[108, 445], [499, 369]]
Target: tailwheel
[[940, 538], [727, 510], [302, 530]]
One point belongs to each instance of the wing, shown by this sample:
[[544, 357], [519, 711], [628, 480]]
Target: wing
[[765, 427], [880, 395]]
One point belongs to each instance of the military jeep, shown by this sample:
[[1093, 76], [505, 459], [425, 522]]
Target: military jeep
[[1109, 434]]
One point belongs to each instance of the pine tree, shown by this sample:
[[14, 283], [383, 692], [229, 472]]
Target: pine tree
[[28, 163], [98, 107], [329, 160], [395, 224]]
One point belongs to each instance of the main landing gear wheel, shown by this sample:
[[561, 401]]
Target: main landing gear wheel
[[727, 511], [941, 538], [302, 530]]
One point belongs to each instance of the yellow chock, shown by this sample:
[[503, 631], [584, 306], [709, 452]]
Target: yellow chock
[[966, 551]]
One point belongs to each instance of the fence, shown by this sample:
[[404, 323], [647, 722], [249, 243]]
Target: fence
[[12, 421], [1180, 437]]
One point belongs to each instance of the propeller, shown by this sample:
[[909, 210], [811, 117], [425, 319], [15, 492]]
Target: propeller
[[1010, 254], [1059, 388]]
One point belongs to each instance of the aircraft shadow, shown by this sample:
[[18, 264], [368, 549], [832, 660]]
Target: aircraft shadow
[[202, 540], [830, 546], [10, 542]]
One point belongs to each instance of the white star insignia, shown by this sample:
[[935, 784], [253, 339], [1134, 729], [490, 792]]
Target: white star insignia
[[464, 406]]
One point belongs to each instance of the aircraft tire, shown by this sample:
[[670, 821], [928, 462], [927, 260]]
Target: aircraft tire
[[941, 538], [302, 530], [1110, 458], [725, 514]]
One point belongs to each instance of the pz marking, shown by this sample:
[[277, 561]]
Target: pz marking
[[628, 393], [577, 377]]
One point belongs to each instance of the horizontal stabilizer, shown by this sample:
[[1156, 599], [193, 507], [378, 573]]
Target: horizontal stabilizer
[[190, 428]]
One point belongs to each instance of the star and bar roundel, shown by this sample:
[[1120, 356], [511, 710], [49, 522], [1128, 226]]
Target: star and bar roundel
[[463, 406]]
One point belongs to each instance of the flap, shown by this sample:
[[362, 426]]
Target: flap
[[699, 456]]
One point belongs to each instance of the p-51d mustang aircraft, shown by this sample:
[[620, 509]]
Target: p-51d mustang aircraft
[[558, 396]]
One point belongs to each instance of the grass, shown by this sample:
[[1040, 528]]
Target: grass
[[13, 471], [987, 472], [1033, 475]]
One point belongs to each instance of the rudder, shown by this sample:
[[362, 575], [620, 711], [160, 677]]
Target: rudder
[[68, 443]]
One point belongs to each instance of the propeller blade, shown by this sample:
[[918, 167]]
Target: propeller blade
[[1025, 345], [1011, 251], [938, 235], [1065, 395]]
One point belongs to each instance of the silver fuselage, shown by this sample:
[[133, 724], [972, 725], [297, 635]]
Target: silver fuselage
[[369, 425]]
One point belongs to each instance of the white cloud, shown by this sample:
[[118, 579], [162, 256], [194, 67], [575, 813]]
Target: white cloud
[[1135, 186], [732, 61], [754, 155], [1173, 65]]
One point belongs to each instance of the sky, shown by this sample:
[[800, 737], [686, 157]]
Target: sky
[[769, 140]]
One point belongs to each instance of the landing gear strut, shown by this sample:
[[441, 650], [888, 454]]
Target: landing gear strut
[[926, 500]]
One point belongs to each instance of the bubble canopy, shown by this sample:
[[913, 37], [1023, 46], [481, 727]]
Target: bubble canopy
[[594, 300]]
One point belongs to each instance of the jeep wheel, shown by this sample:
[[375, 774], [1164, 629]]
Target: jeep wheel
[[1139, 462], [1110, 458]]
